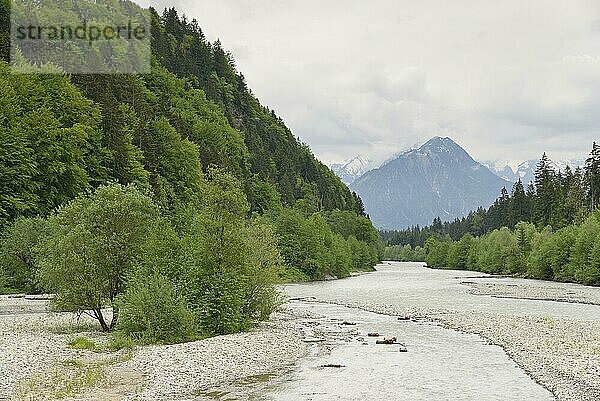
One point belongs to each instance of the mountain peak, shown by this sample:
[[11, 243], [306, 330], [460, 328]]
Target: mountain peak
[[441, 143], [440, 139], [438, 179]]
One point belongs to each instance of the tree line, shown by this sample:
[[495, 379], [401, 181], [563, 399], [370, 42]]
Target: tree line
[[570, 254], [165, 205]]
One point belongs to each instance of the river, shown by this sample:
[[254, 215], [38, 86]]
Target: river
[[441, 363]]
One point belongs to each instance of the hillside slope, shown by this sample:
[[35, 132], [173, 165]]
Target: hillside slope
[[147, 128]]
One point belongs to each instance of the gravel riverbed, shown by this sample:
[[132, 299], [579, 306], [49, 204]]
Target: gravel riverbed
[[572, 293]]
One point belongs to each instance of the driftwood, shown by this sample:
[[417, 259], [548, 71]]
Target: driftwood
[[389, 341], [345, 323], [332, 365], [313, 340], [373, 335]]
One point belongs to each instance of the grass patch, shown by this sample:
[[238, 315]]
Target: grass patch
[[72, 378], [82, 343], [73, 362]]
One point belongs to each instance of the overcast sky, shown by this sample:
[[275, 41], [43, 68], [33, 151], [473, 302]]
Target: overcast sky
[[506, 79]]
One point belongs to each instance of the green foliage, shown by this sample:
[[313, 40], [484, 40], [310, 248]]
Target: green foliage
[[265, 266], [321, 244], [230, 263], [437, 252], [50, 143], [152, 312], [459, 252], [221, 263], [582, 264], [569, 254], [263, 196], [111, 248], [93, 243], [119, 341], [175, 182], [3, 281], [18, 254], [540, 259], [292, 274]]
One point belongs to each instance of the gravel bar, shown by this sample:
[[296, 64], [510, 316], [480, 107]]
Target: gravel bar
[[31, 344]]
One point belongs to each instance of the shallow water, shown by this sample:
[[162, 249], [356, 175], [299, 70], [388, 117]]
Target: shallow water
[[440, 364]]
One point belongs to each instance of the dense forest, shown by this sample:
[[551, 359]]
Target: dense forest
[[174, 198], [551, 230]]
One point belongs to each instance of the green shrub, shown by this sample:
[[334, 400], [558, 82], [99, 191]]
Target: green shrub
[[459, 252], [581, 263], [326, 243], [437, 252], [151, 312], [265, 265], [293, 275], [404, 253], [539, 263]]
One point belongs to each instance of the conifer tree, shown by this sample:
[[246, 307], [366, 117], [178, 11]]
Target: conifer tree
[[544, 205], [518, 209]]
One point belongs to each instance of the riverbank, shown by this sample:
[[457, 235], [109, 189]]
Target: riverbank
[[37, 362]]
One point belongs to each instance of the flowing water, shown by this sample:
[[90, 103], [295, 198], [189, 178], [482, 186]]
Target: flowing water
[[439, 364]]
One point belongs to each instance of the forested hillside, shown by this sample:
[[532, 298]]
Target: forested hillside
[[224, 198], [551, 230]]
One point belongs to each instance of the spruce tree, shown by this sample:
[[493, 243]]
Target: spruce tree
[[518, 209], [544, 204]]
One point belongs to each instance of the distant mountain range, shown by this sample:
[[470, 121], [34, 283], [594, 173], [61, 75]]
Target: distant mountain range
[[438, 179], [351, 169], [526, 170]]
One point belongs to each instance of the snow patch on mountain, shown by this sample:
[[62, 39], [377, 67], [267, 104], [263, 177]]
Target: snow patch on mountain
[[525, 170], [350, 169]]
